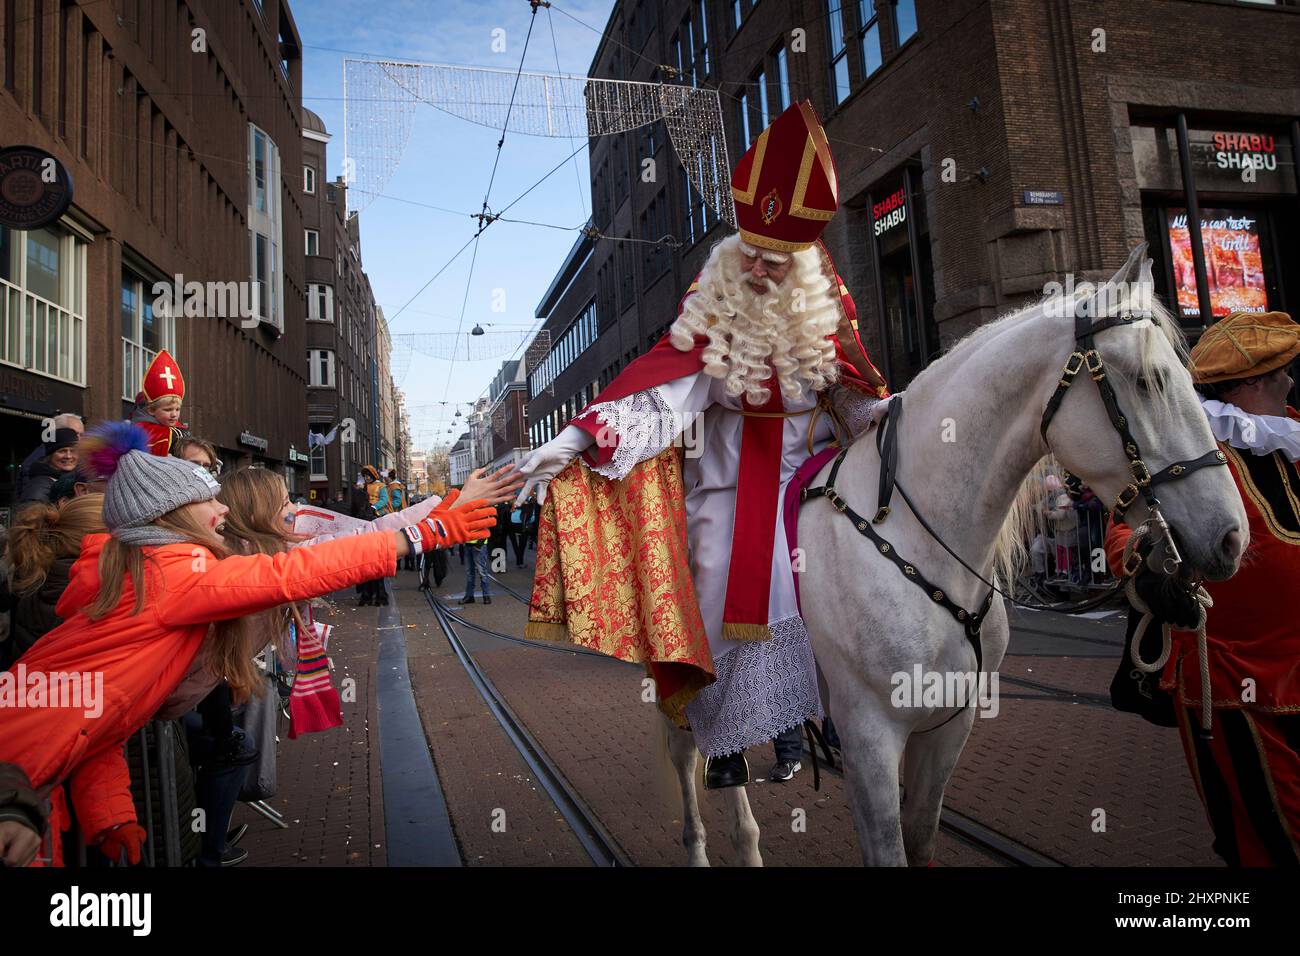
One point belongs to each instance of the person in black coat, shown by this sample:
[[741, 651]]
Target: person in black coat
[[60, 458]]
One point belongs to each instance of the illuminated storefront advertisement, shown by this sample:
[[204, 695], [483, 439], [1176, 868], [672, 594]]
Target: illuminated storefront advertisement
[[1233, 261], [1244, 188]]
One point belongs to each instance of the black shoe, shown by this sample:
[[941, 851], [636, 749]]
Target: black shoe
[[783, 770], [486, 599], [729, 770], [365, 600], [235, 751], [233, 856], [235, 835], [383, 599], [467, 600]]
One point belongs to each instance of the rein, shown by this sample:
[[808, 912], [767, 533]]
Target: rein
[[1085, 355]]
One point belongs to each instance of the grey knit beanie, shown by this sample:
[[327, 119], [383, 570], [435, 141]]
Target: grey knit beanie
[[145, 487]]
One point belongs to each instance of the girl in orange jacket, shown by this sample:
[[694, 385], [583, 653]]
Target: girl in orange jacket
[[138, 608]]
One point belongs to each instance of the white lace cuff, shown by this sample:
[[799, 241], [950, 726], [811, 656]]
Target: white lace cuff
[[854, 408], [644, 424]]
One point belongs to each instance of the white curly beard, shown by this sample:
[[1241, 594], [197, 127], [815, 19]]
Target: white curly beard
[[752, 335]]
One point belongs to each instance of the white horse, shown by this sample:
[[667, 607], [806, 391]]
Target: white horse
[[969, 439]]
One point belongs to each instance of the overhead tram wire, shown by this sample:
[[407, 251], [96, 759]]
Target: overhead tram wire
[[485, 217]]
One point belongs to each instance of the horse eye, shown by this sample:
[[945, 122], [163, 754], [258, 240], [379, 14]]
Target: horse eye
[[1142, 385]]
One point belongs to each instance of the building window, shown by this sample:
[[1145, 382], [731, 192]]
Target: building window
[[701, 39], [265, 225], [312, 242], [737, 15], [317, 454], [763, 116], [320, 368], [309, 180], [869, 37], [742, 109], [783, 78], [145, 331], [840, 86], [904, 21], [43, 303], [320, 302]]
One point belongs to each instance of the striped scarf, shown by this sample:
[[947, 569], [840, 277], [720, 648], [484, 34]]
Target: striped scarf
[[314, 704]]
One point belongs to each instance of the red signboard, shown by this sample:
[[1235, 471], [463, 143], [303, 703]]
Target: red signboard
[[1234, 266]]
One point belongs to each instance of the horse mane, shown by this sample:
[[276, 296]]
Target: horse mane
[[1011, 549]]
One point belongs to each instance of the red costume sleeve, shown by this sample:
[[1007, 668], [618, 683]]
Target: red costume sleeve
[[1117, 535]]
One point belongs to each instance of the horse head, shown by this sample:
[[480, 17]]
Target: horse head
[[1143, 360]]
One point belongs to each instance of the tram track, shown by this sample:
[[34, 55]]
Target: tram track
[[595, 840], [987, 840], [990, 841]]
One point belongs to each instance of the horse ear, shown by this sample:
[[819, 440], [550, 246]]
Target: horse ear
[[1131, 267], [1145, 292], [1104, 300]]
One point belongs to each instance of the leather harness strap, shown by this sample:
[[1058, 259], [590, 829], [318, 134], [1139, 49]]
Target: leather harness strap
[[971, 621], [1084, 356], [887, 446]]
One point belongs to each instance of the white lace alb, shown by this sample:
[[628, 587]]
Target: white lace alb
[[762, 689]]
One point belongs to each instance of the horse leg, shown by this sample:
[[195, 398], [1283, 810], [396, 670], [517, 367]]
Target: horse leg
[[744, 828], [872, 745], [928, 763], [685, 757]]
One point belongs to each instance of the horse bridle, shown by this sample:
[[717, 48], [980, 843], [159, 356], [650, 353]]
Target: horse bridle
[[1085, 355]]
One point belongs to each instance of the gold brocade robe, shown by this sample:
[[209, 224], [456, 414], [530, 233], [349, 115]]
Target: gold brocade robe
[[613, 575]]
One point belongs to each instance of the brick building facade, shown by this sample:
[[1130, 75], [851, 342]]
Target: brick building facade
[[178, 121], [984, 149], [343, 332]]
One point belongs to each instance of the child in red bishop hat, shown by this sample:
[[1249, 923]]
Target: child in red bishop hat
[[158, 406]]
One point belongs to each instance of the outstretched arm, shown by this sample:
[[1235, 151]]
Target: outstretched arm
[[217, 590]]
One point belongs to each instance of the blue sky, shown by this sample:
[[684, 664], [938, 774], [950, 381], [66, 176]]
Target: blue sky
[[447, 164]]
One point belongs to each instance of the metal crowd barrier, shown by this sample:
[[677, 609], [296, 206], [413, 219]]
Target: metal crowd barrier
[[1065, 539]]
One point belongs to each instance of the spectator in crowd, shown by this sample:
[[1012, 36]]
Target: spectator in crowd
[[200, 452], [158, 405], [66, 420], [44, 543], [60, 458], [164, 550]]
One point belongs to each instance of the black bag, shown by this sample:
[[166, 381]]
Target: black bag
[[1136, 692]]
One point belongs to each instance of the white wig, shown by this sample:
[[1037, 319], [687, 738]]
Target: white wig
[[751, 335]]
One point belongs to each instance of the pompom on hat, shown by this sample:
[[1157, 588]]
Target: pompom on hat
[[1243, 345], [141, 487]]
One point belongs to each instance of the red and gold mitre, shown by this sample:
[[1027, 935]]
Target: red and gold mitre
[[162, 378], [784, 186]]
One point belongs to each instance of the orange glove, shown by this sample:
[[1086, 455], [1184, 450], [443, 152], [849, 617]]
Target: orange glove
[[128, 837], [448, 501], [442, 529]]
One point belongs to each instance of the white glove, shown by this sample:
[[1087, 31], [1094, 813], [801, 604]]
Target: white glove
[[549, 460]]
